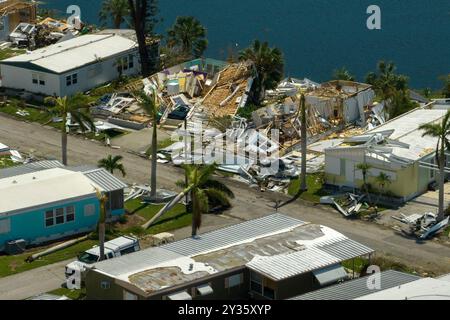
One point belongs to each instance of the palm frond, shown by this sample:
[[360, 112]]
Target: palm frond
[[215, 195], [217, 185]]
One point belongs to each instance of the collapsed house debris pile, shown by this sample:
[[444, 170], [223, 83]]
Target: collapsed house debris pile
[[348, 205], [423, 226]]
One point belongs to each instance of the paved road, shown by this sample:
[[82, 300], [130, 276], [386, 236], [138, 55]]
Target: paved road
[[249, 203], [33, 282]]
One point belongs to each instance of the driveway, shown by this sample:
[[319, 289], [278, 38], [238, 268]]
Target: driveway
[[33, 282]]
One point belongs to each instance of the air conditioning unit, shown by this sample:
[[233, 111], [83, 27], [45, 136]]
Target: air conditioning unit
[[15, 247]]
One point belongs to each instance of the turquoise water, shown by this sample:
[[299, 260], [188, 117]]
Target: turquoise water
[[318, 36]]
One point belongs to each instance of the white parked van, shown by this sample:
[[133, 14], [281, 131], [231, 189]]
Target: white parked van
[[114, 248]]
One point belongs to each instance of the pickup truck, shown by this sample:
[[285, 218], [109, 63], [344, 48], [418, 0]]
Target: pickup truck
[[115, 248]]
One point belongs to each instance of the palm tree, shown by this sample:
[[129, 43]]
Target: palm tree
[[382, 180], [77, 107], [116, 10], [150, 104], [204, 191], [343, 74], [102, 198], [269, 67], [112, 163], [303, 186], [387, 83], [364, 168], [144, 18], [441, 132], [189, 36]]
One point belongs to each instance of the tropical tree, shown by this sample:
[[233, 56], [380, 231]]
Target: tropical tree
[[204, 191], [112, 164], [304, 142], [144, 15], [76, 107], [382, 180], [102, 198], [116, 10], [269, 67], [150, 104], [387, 83], [364, 168], [441, 132], [343, 74], [446, 88], [188, 36], [401, 103]]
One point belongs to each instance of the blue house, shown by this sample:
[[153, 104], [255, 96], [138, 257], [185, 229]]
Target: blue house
[[45, 201]]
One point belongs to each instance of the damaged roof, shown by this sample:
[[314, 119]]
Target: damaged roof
[[227, 94], [276, 236]]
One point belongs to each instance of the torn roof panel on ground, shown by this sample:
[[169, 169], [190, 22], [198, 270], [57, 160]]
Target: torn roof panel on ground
[[302, 246]]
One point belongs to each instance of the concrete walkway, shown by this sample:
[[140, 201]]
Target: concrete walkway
[[33, 282]]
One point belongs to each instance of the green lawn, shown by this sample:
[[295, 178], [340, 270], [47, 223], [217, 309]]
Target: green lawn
[[71, 294], [8, 53], [6, 162], [174, 219], [15, 264], [315, 185], [35, 115]]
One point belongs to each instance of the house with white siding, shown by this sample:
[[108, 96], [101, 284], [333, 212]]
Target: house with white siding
[[75, 65]]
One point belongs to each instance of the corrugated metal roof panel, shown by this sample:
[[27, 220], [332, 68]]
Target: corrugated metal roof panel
[[317, 256], [227, 236], [29, 168], [105, 180], [285, 266], [357, 288], [135, 262]]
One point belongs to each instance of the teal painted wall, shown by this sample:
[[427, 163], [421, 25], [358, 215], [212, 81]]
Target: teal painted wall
[[31, 225]]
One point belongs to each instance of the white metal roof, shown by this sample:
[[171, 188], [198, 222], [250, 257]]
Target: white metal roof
[[423, 289], [42, 187], [3, 147], [356, 288], [332, 248], [75, 53]]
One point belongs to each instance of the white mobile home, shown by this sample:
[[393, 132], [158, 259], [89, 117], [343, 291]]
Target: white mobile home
[[75, 65]]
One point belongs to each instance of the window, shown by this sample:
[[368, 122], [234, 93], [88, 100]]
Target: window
[[5, 226], [70, 214], [269, 289], [105, 285], [234, 281], [49, 221], [256, 282], [59, 216], [89, 210], [72, 79], [38, 79], [343, 173], [131, 61]]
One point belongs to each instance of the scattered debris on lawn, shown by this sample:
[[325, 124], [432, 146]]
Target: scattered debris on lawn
[[424, 226]]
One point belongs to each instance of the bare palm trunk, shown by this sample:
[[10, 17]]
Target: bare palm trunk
[[138, 13], [304, 137], [166, 208], [64, 139], [196, 215], [117, 22], [154, 160], [102, 228], [441, 183]]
